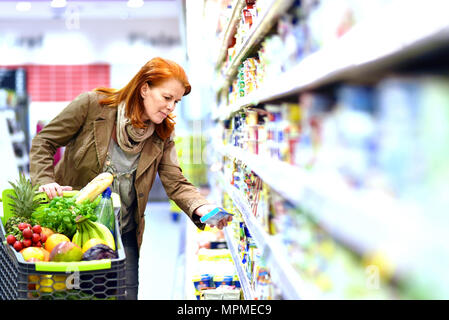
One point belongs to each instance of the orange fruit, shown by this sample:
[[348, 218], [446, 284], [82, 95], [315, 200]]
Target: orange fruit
[[54, 240], [92, 242]]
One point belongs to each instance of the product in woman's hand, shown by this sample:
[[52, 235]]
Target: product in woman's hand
[[214, 216]]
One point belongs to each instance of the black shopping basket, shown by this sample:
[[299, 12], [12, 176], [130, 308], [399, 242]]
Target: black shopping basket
[[22, 280]]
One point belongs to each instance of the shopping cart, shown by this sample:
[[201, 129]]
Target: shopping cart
[[22, 280]]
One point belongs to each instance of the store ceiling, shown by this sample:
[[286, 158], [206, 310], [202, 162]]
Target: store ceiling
[[115, 9]]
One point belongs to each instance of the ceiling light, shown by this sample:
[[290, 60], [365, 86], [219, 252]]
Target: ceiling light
[[23, 6], [58, 3], [135, 3]]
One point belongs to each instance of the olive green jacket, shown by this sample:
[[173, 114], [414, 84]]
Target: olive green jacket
[[85, 127]]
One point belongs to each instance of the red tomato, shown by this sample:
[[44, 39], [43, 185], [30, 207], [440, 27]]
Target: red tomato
[[27, 233], [27, 243], [37, 229], [11, 239], [18, 245], [36, 237]]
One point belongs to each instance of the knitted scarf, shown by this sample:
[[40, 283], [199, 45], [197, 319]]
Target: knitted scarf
[[129, 138]]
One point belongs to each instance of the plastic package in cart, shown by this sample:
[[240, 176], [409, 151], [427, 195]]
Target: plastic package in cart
[[214, 216]]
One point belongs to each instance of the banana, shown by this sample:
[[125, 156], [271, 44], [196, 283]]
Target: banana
[[93, 232], [85, 234], [77, 238], [104, 232], [88, 229]]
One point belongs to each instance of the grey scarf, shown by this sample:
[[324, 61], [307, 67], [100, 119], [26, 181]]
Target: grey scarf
[[129, 138]]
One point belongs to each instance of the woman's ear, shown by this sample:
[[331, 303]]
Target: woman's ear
[[144, 90]]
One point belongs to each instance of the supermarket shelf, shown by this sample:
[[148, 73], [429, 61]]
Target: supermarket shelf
[[286, 179], [293, 287], [259, 29], [337, 208], [224, 113], [341, 210], [244, 281], [236, 12], [366, 49]]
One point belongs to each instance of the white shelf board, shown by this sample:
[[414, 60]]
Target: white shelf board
[[368, 47], [290, 282], [257, 32], [243, 278], [368, 221], [228, 34]]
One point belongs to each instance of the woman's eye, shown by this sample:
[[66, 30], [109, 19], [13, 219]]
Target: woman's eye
[[167, 98]]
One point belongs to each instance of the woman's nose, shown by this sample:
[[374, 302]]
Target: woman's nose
[[171, 106]]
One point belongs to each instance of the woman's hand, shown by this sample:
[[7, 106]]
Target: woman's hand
[[205, 209], [53, 189]]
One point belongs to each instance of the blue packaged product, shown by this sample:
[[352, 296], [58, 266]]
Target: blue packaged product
[[203, 281], [214, 216], [223, 280]]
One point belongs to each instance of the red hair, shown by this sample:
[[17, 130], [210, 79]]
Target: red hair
[[154, 72]]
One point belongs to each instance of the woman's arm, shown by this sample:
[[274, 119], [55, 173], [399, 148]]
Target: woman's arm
[[54, 135], [180, 190]]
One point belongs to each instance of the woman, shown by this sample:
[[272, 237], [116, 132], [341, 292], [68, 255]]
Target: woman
[[127, 132]]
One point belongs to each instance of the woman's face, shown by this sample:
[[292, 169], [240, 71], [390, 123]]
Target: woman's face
[[159, 101]]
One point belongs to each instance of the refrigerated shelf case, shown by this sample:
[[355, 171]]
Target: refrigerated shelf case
[[362, 52], [367, 50], [248, 293], [259, 29], [230, 30], [291, 284]]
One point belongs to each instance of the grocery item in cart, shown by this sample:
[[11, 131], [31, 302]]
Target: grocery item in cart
[[95, 187], [105, 211], [35, 273], [22, 203]]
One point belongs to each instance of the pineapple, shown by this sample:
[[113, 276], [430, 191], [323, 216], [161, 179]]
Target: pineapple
[[24, 204]]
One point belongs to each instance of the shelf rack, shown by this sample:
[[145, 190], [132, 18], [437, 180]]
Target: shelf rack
[[257, 32], [230, 30], [366, 220], [282, 272], [248, 293], [362, 51], [342, 211]]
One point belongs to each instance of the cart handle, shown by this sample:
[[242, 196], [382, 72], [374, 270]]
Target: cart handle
[[72, 266]]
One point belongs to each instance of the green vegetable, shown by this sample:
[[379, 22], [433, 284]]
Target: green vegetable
[[60, 213]]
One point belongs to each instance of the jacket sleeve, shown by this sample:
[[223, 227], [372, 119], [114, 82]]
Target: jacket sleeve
[[178, 188], [57, 133]]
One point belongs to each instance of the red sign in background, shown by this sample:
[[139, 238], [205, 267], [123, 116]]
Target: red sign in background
[[63, 82]]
